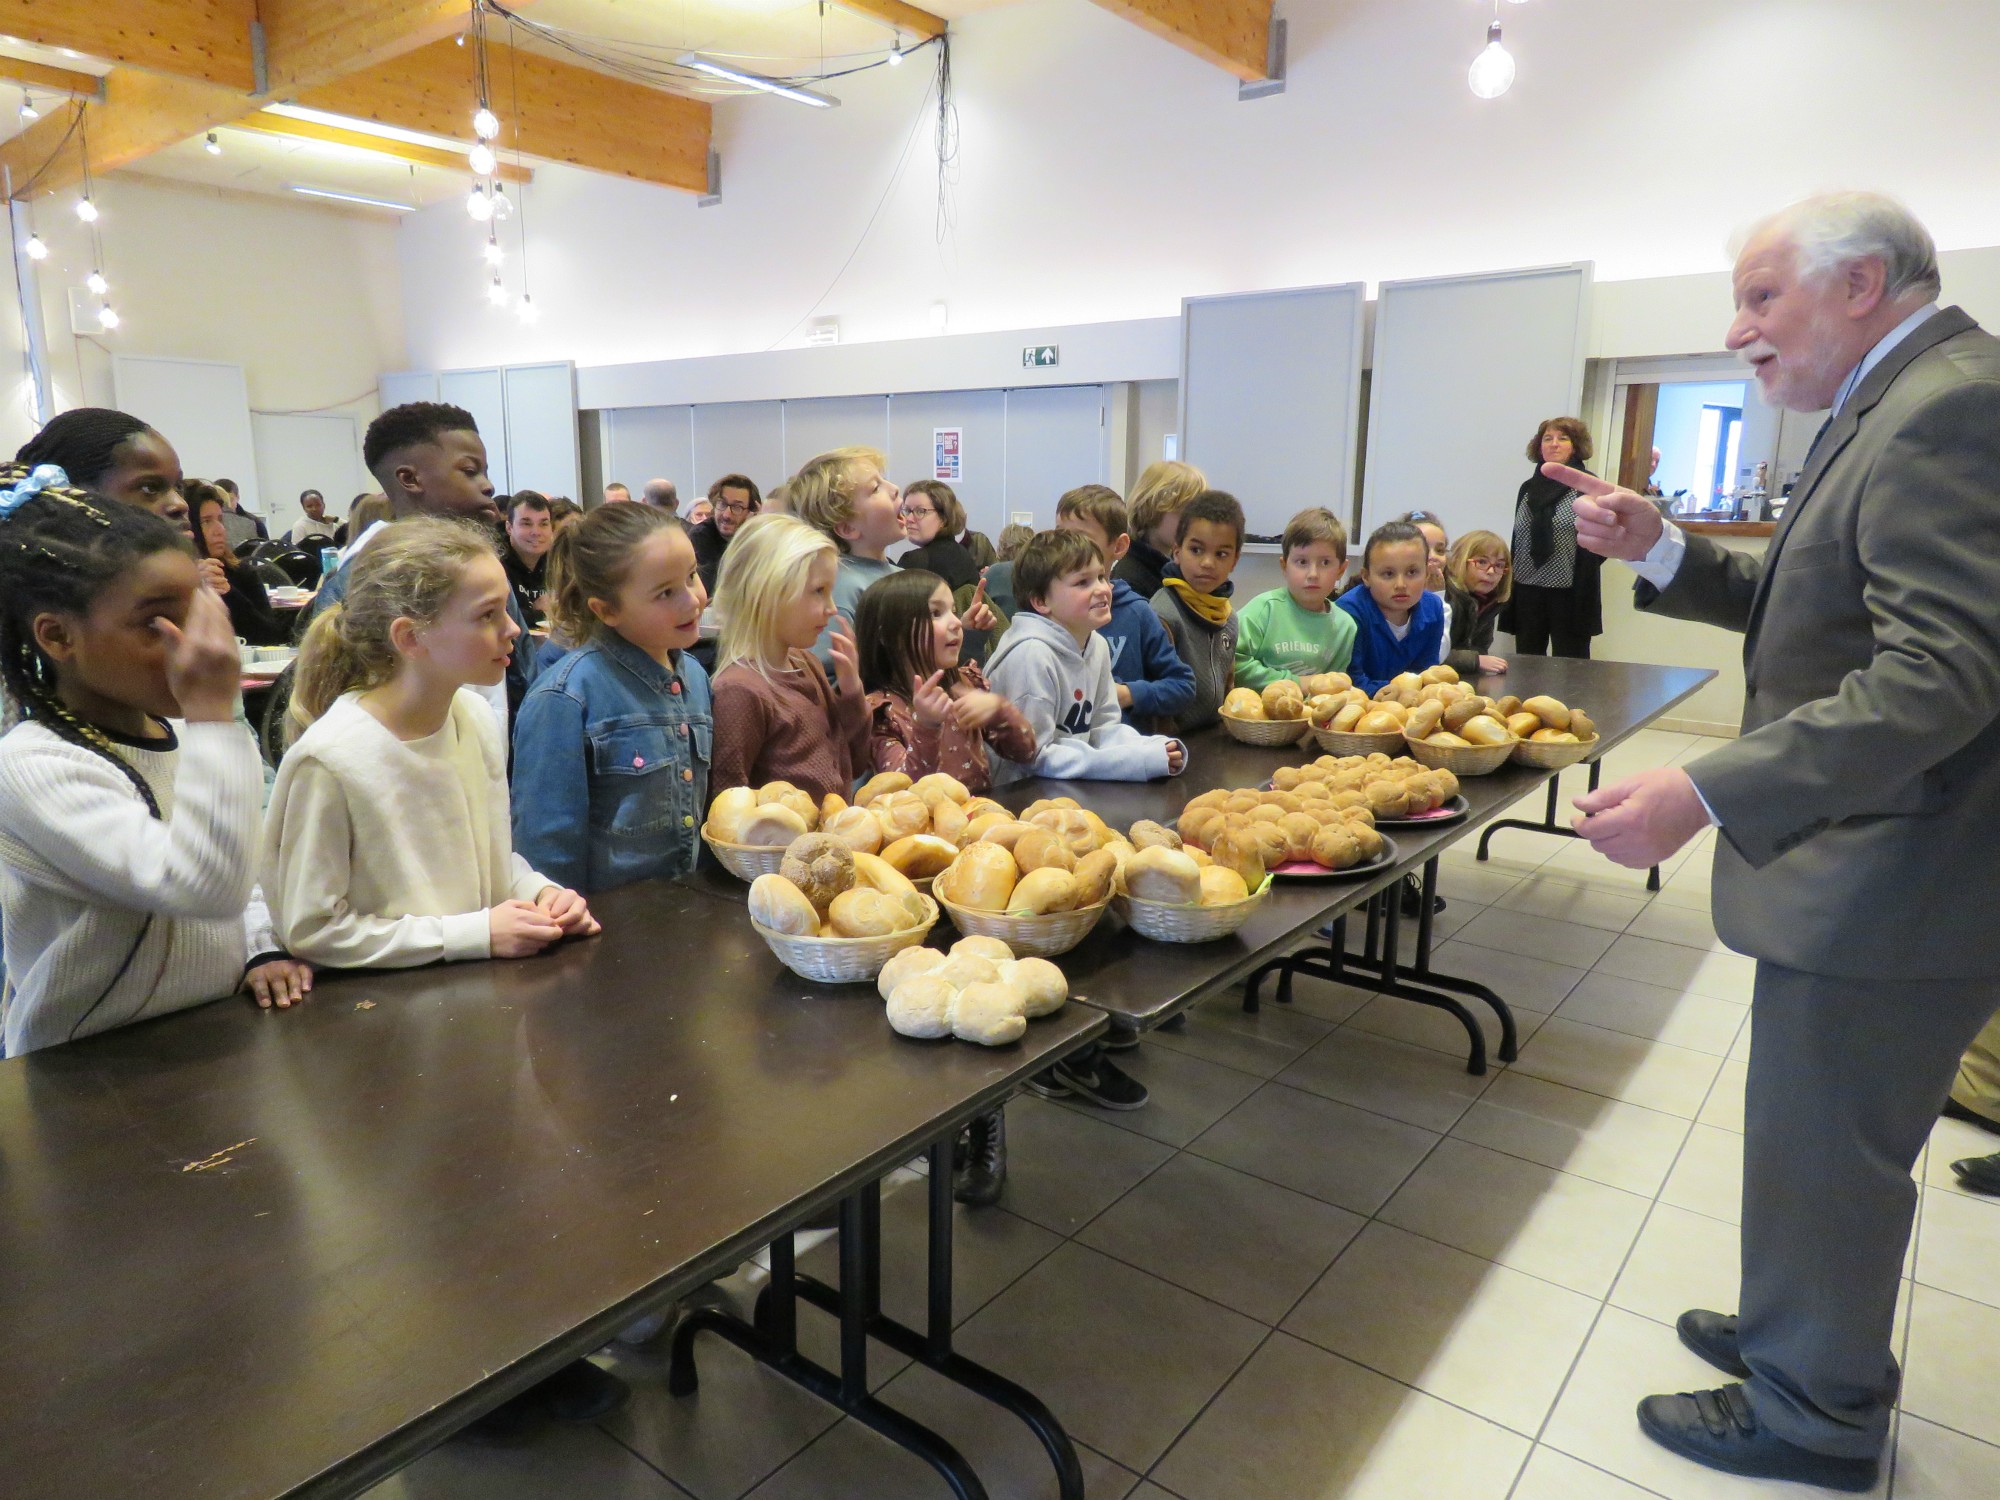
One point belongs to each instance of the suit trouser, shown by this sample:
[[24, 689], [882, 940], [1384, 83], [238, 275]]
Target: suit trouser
[[1978, 1086], [1846, 1078]]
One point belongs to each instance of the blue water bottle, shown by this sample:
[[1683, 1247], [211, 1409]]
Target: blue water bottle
[[329, 560]]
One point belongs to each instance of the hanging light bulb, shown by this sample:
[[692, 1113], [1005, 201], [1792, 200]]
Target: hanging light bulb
[[97, 284], [86, 210], [213, 146], [503, 206], [482, 160], [485, 124], [28, 110], [107, 318], [896, 57], [493, 254], [1492, 72], [497, 293], [478, 204], [35, 248], [528, 311]]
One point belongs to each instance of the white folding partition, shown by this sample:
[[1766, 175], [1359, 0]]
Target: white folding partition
[[541, 427], [1270, 398], [200, 406], [815, 425], [979, 417], [743, 437], [651, 442], [1465, 368], [483, 393], [1057, 438], [307, 451]]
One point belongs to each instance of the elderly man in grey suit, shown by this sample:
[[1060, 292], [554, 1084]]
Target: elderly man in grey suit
[[1858, 813]]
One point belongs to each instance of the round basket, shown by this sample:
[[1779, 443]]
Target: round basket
[[1470, 760], [1186, 924], [839, 960], [1338, 742], [1030, 937], [1271, 733], [1548, 757], [745, 861]]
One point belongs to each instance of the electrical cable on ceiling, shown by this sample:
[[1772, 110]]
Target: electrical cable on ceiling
[[75, 121], [947, 142]]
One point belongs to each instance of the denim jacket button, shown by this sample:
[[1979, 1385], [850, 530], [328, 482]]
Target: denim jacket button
[[673, 687], [687, 821], [684, 729], [687, 775]]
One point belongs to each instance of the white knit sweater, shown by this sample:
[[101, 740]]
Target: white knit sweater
[[85, 866], [386, 853]]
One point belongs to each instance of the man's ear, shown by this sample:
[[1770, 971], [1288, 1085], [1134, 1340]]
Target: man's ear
[[53, 634], [1867, 286], [407, 481], [1119, 548]]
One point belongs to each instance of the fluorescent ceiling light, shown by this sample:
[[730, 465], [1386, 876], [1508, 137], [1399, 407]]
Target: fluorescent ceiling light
[[757, 81], [313, 192], [365, 127]]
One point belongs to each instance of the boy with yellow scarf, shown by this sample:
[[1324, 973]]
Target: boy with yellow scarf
[[1193, 602]]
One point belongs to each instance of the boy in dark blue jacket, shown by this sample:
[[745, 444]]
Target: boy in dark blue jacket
[[1154, 684], [1398, 622]]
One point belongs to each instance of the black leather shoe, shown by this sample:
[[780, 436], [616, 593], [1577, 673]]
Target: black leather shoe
[[1718, 1430], [1712, 1335], [1953, 1110], [1979, 1174]]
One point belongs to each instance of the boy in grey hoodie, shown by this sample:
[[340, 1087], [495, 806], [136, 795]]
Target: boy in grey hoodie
[[1054, 666]]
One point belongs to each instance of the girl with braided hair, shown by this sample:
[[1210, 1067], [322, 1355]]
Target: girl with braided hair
[[128, 793]]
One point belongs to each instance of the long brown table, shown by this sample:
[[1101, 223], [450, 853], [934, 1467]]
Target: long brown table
[[260, 1254]]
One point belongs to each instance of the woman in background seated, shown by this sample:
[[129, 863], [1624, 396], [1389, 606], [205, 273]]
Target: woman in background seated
[[250, 611]]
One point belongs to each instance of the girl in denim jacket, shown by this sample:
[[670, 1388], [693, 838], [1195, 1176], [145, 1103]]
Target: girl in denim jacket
[[612, 744]]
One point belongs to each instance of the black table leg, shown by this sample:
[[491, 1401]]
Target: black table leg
[[933, 1347], [1549, 824]]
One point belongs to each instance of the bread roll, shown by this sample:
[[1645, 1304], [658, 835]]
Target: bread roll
[[1503, 706], [901, 814], [1077, 829], [781, 906], [1451, 741], [1348, 720], [772, 825], [980, 879], [989, 1013], [832, 805], [773, 791], [921, 1005], [1045, 890], [948, 819], [1165, 875], [1093, 877], [855, 827], [1272, 844], [1423, 719], [979, 807], [1049, 804], [727, 812], [907, 964], [1199, 826], [1551, 711], [1367, 837], [1482, 730], [1447, 784], [1378, 721], [1298, 830], [799, 802], [1336, 848], [1581, 725], [1220, 887], [1553, 737], [1442, 672], [866, 913], [1388, 799], [1199, 856], [961, 969], [1326, 682], [1283, 700], [1522, 725], [880, 786], [976, 828], [983, 947], [1146, 833], [1243, 703], [878, 874], [940, 785], [1040, 848], [1006, 834], [1456, 714], [921, 855], [1361, 815], [821, 866], [1040, 984]]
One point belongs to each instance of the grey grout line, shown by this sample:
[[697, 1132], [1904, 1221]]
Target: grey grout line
[[672, 1484]]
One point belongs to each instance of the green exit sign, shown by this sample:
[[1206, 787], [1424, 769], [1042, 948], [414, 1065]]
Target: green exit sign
[[1040, 355]]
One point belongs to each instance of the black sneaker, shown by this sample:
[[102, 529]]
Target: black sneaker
[[1103, 1083], [1047, 1084], [581, 1392], [1413, 897], [986, 1172]]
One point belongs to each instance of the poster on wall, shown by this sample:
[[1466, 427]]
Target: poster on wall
[[948, 452]]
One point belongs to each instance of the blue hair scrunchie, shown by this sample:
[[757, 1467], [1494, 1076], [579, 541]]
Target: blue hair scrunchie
[[41, 477]]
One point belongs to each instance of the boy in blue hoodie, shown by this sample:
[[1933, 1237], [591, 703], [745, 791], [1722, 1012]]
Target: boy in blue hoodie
[[1154, 685], [1055, 666], [1398, 622]]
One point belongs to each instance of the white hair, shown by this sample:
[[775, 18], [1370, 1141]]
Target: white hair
[[1833, 230]]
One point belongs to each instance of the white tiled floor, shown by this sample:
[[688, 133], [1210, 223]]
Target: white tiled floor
[[1327, 1264]]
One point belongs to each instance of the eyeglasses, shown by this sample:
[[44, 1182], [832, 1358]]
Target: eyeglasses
[[734, 507], [916, 512]]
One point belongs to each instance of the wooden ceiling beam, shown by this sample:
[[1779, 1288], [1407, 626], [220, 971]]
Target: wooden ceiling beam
[[264, 123], [34, 75], [205, 40], [1235, 35], [140, 113], [564, 114], [309, 42], [897, 14]]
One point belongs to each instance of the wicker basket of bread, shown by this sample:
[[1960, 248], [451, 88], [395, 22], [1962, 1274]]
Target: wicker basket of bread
[[1274, 717], [1558, 735], [835, 915], [1039, 883], [914, 825]]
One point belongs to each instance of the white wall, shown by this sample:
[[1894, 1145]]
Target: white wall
[[1104, 174], [306, 299]]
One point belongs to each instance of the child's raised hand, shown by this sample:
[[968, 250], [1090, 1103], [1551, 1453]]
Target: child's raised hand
[[975, 710], [846, 659], [204, 670], [930, 702], [520, 929], [1176, 757], [568, 911], [978, 613], [283, 982], [1492, 664]]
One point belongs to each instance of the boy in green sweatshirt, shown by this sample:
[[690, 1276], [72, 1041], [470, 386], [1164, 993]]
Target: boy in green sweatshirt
[[1294, 631]]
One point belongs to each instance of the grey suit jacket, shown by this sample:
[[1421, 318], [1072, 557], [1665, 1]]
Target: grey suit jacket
[[1860, 809]]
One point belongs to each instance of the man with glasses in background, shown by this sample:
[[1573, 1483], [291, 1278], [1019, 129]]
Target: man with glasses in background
[[734, 499]]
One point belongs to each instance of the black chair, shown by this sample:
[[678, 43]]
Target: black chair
[[246, 551], [271, 723], [271, 575], [300, 567]]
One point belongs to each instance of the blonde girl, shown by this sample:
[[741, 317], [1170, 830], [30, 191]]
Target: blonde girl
[[1478, 580], [1154, 507], [776, 716], [612, 743], [387, 843]]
